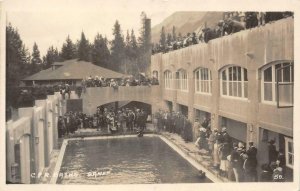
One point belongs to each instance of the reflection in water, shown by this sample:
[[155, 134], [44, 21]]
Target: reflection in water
[[125, 161]]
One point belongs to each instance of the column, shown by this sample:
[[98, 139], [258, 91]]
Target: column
[[215, 93]]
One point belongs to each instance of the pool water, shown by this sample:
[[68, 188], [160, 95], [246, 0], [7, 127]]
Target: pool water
[[130, 160]]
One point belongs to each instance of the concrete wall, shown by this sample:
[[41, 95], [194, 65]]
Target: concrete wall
[[250, 49], [36, 132], [97, 96]]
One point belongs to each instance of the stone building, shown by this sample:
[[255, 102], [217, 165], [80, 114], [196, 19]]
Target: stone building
[[243, 81]]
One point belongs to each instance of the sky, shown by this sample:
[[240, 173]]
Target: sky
[[49, 22]]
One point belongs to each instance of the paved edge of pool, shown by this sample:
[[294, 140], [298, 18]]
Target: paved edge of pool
[[192, 161]]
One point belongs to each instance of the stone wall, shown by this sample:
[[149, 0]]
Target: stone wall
[[35, 132], [251, 49]]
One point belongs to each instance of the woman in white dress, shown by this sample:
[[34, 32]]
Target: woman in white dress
[[216, 154]]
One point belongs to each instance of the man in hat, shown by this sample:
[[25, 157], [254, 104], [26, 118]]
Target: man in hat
[[272, 151], [225, 136], [130, 120], [252, 161]]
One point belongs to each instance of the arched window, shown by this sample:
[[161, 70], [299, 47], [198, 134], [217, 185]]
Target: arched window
[[168, 79], [203, 81], [182, 80], [277, 83], [234, 82], [155, 74]]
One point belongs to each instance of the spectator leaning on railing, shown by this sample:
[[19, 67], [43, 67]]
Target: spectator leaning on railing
[[232, 22]]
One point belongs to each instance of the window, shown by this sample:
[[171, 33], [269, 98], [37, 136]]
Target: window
[[282, 73], [289, 152], [203, 81], [155, 74], [182, 80], [234, 82], [168, 79]]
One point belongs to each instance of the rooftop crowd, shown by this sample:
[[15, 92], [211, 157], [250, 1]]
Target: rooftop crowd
[[232, 22], [230, 157]]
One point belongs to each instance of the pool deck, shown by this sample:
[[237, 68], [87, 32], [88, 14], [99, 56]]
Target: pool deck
[[197, 158]]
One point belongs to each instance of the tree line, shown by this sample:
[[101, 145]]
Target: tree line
[[126, 54], [166, 39]]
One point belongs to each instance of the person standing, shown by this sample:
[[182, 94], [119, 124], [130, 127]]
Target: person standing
[[212, 140], [61, 127], [155, 121], [160, 120], [235, 160], [224, 152], [252, 160], [196, 127], [216, 154], [202, 136], [272, 151], [131, 118], [119, 121], [225, 136]]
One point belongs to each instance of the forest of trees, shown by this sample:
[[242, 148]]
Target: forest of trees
[[166, 39], [126, 54]]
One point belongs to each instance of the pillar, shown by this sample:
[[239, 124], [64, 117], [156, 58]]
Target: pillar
[[43, 104], [10, 152], [29, 112]]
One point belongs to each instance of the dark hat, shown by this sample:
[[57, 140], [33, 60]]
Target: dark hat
[[271, 141]]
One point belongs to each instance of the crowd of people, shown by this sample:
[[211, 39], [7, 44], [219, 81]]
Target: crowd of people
[[233, 160], [173, 122], [97, 81], [230, 157], [107, 121], [232, 22], [65, 88], [27, 95]]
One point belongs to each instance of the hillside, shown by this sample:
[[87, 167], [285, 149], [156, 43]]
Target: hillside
[[186, 22]]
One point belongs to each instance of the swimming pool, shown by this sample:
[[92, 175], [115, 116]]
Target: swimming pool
[[129, 160]]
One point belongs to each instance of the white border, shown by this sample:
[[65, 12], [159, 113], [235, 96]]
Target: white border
[[174, 5]]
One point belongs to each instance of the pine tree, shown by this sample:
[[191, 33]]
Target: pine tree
[[117, 48], [179, 35], [68, 50], [174, 36], [128, 45], [100, 53], [133, 43], [169, 39], [36, 62], [50, 57], [17, 62], [25, 59], [56, 56], [83, 48], [162, 40], [14, 46]]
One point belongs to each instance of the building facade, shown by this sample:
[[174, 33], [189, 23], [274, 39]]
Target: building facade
[[242, 81]]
